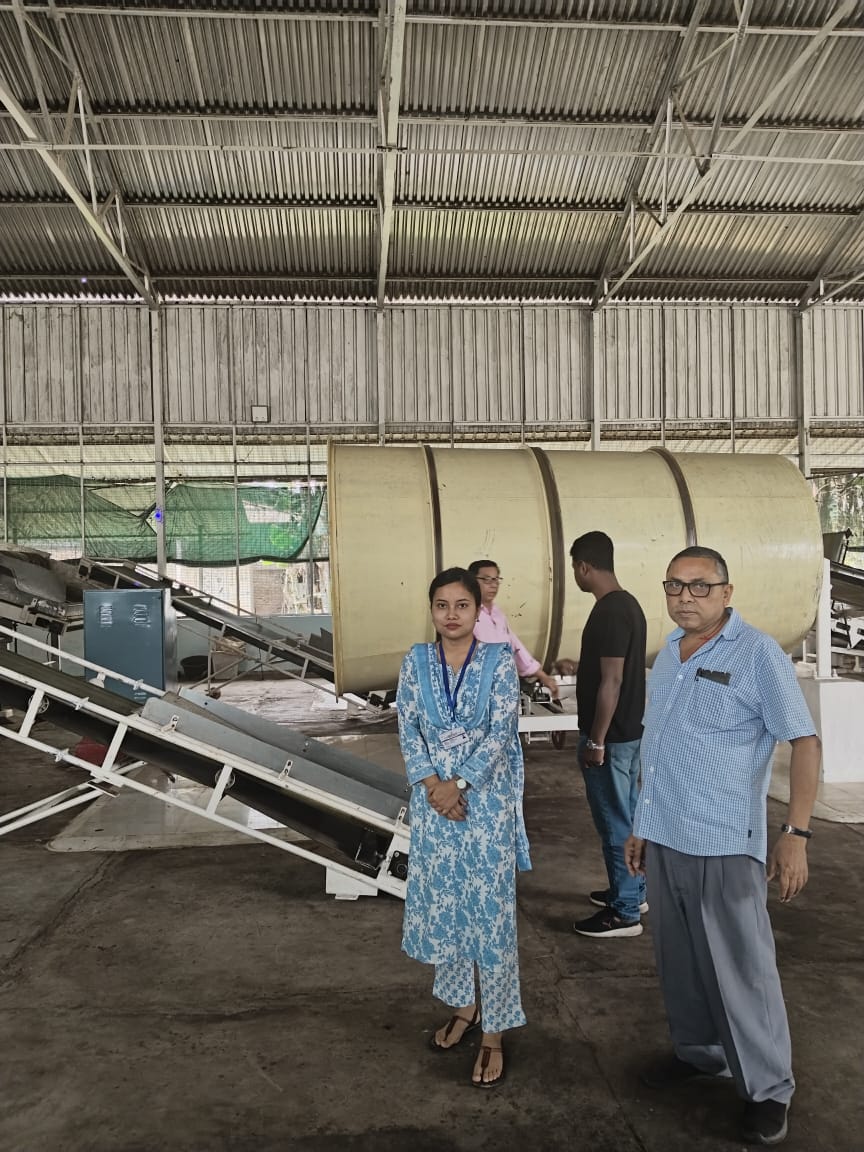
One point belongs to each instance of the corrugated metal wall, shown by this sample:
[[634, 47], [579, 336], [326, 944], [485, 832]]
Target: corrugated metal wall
[[531, 368]]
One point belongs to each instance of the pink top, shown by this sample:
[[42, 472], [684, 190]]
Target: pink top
[[492, 628]]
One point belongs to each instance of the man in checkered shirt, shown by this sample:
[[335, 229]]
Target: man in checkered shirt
[[720, 696]]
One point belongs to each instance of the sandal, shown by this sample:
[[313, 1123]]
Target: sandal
[[485, 1053], [473, 1023]]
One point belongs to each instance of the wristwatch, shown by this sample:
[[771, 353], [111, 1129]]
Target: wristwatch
[[461, 784], [791, 830]]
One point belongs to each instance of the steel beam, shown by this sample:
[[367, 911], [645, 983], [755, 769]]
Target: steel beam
[[815, 293], [393, 13], [678, 61], [731, 61], [856, 279], [358, 16], [165, 277], [844, 9], [102, 117], [67, 54], [32, 67], [506, 208], [360, 150], [678, 74], [92, 220]]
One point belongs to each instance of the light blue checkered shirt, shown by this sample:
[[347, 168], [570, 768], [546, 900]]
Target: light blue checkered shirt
[[707, 746]]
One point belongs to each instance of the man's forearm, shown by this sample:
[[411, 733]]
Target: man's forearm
[[607, 701], [803, 779]]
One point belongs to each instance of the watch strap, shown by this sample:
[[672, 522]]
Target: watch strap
[[791, 830]]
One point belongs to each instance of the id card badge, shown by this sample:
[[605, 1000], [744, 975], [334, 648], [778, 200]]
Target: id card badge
[[454, 738]]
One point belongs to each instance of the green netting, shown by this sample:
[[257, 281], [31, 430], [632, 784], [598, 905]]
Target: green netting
[[205, 525], [45, 512]]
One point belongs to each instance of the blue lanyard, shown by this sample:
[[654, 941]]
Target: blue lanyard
[[453, 700]]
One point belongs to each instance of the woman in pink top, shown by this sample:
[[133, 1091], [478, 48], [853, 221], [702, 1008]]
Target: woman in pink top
[[492, 626]]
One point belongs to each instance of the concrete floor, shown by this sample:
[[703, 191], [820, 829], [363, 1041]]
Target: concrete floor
[[202, 999]]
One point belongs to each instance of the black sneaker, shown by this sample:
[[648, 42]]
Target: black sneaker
[[601, 899], [670, 1072], [764, 1122], [606, 923]]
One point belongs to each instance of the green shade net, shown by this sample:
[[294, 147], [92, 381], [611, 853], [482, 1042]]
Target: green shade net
[[45, 512], [206, 526]]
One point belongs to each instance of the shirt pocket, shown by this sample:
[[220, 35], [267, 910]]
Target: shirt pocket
[[714, 707]]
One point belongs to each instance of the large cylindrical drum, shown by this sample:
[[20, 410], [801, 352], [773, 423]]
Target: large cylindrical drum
[[399, 515]]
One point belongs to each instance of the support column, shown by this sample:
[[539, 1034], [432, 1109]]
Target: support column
[[589, 369], [800, 391], [383, 365], [157, 394]]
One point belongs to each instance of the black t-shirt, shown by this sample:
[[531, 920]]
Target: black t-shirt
[[616, 627]]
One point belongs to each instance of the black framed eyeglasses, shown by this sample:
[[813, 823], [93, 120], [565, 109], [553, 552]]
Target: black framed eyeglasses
[[697, 588], [490, 579]]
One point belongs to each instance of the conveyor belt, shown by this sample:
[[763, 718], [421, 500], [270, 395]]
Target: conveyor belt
[[265, 636], [847, 586], [338, 800]]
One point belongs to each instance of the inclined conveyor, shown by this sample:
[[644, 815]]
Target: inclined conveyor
[[353, 811], [277, 645]]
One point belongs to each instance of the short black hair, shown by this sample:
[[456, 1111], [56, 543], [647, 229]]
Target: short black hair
[[697, 552], [456, 576], [475, 566], [594, 548]]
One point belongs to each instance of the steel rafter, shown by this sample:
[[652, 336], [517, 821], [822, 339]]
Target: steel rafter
[[91, 218], [504, 208], [67, 54], [93, 213], [32, 67], [843, 10], [370, 16], [102, 117], [819, 289], [669, 108], [392, 32], [674, 69]]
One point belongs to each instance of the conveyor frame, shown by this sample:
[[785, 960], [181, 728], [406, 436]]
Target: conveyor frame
[[276, 645], [84, 701]]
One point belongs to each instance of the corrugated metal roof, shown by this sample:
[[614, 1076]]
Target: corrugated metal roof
[[243, 137]]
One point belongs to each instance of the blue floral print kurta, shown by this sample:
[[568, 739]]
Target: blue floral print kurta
[[461, 897]]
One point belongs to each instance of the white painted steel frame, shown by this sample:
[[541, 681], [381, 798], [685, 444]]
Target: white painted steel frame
[[225, 765], [707, 171], [93, 214]]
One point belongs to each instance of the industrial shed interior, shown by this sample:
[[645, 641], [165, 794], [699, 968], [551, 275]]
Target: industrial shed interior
[[301, 303]]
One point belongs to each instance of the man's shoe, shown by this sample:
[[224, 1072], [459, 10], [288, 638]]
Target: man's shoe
[[606, 923], [601, 899], [671, 1072], [764, 1122]]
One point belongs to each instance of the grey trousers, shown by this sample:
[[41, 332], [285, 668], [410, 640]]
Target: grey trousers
[[718, 970]]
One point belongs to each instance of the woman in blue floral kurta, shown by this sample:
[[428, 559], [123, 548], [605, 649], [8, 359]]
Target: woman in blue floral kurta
[[462, 754]]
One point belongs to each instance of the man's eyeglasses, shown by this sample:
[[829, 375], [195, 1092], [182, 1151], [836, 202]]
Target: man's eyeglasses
[[697, 588], [490, 579]]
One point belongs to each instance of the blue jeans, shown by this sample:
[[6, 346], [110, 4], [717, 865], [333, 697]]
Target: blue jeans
[[612, 789]]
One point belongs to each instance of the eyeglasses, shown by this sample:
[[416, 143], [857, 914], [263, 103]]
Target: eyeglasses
[[490, 579], [697, 588]]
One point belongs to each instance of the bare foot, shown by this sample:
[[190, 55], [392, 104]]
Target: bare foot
[[489, 1066], [456, 1027]]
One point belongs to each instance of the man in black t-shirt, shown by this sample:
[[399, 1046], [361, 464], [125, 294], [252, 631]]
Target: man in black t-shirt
[[610, 695]]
